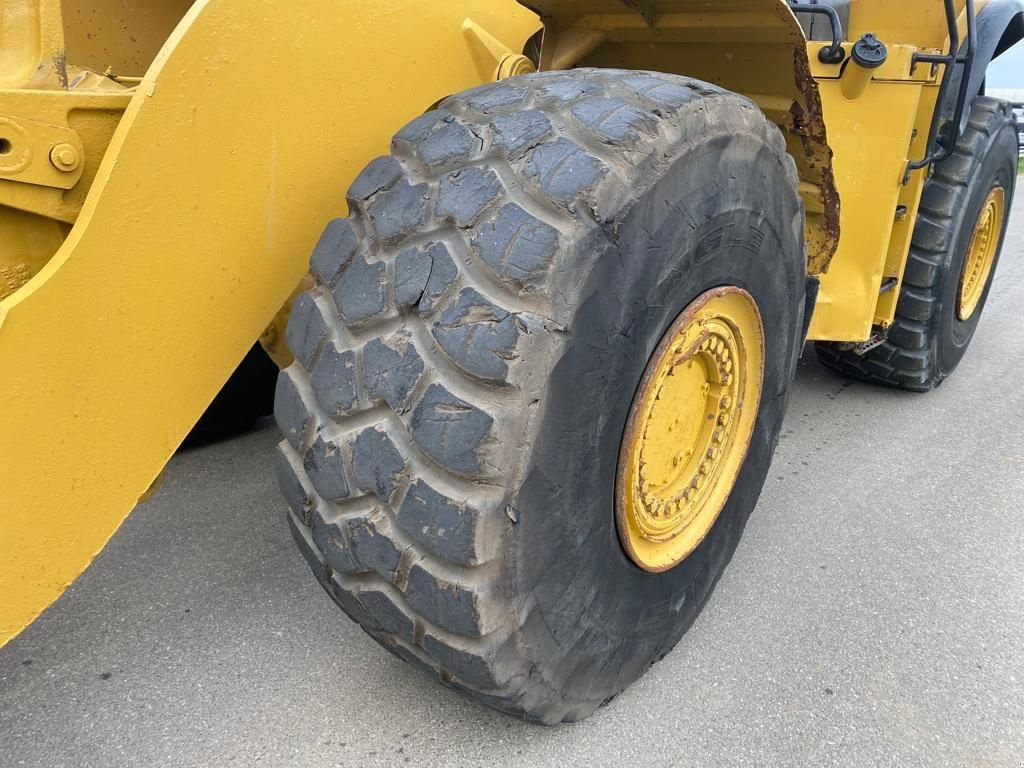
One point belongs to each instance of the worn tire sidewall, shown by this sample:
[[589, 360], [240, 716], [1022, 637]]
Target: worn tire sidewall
[[998, 165], [592, 621]]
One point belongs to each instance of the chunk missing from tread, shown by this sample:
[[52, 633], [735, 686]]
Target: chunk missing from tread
[[525, 281]]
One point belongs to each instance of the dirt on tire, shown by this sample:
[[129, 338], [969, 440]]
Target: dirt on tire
[[467, 358]]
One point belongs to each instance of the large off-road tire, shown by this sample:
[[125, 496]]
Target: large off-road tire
[[467, 361], [930, 332]]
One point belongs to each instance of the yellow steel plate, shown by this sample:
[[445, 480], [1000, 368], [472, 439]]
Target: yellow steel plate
[[232, 156]]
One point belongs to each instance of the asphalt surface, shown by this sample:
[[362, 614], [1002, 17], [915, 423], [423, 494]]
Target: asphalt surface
[[872, 616]]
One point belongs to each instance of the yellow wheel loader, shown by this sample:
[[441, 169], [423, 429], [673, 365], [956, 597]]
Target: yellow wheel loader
[[535, 369]]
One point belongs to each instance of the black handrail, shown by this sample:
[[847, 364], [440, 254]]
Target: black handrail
[[941, 148], [830, 54]]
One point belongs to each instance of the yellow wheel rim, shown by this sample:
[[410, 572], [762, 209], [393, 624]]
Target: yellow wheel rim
[[981, 253], [689, 428]]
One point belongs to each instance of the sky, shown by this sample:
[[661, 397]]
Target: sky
[[1008, 70]]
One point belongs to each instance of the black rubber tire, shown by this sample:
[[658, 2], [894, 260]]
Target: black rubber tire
[[927, 340], [466, 363], [245, 398]]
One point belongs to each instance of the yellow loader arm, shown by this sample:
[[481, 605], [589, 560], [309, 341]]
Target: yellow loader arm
[[233, 152]]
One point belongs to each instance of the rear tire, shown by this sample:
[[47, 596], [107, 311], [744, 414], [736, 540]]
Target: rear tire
[[466, 363], [928, 338]]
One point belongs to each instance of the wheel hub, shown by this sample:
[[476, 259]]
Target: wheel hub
[[689, 428], [981, 253]]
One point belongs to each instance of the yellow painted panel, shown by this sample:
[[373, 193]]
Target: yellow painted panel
[[870, 138], [910, 198], [231, 157], [30, 32], [921, 23], [124, 35]]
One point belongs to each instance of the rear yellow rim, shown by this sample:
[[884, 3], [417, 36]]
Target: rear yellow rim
[[981, 253], [689, 428]]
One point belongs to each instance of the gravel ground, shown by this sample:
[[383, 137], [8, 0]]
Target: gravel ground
[[873, 614]]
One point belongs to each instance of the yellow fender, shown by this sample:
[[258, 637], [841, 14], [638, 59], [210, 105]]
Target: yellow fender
[[232, 155]]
